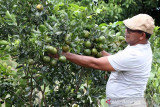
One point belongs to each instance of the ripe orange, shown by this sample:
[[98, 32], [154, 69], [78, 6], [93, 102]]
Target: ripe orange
[[39, 7]]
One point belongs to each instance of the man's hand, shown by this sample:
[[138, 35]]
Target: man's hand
[[56, 56], [64, 53]]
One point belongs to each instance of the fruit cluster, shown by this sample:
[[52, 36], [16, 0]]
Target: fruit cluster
[[93, 45], [53, 51]]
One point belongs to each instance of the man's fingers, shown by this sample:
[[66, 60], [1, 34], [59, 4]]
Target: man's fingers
[[53, 56]]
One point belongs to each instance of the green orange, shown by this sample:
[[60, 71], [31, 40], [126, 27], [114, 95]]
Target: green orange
[[51, 49], [87, 44], [42, 28], [87, 52], [86, 33], [100, 47], [62, 59], [101, 39], [30, 61], [53, 62], [65, 48], [94, 51], [99, 54], [46, 59]]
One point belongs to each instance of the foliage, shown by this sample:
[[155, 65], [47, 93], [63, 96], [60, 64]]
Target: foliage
[[153, 92], [115, 10], [26, 80]]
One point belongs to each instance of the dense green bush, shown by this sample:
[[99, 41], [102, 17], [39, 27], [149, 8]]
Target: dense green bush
[[26, 80]]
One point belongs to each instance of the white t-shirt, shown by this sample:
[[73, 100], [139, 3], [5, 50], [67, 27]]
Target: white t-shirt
[[133, 66]]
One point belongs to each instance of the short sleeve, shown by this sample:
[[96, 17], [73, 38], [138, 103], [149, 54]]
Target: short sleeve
[[123, 61]]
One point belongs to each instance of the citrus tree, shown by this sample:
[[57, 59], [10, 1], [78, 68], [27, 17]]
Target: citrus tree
[[34, 31]]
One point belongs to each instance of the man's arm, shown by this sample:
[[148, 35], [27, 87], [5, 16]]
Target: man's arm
[[91, 62]]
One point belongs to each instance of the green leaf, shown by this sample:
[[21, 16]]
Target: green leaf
[[8, 15], [10, 19], [98, 10], [152, 75], [102, 24]]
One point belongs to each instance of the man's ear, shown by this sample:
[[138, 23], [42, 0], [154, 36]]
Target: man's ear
[[143, 36]]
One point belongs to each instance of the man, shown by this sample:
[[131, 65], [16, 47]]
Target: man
[[130, 67]]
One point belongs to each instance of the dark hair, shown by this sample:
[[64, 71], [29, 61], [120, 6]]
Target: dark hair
[[147, 35]]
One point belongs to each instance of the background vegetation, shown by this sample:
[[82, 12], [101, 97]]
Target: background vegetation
[[27, 30]]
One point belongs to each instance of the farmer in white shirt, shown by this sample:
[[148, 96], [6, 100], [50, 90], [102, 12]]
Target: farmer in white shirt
[[130, 68]]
